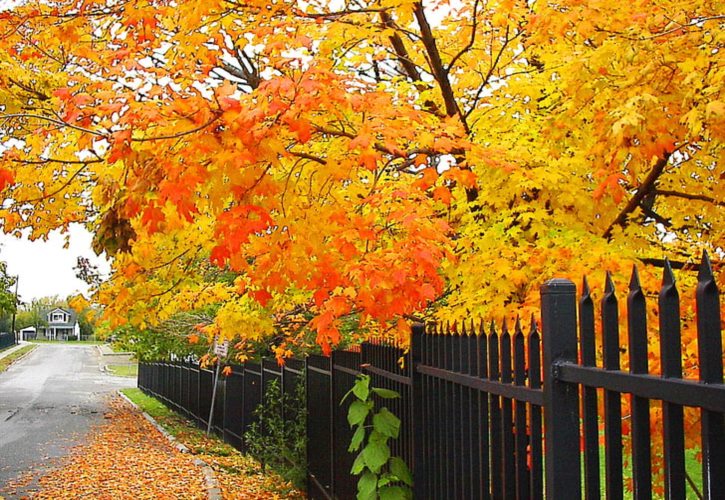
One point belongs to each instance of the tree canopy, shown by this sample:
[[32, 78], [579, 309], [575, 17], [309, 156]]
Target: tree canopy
[[299, 163]]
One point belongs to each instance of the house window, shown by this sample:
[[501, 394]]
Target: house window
[[58, 317]]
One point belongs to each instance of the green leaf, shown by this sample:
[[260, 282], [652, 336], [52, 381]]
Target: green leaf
[[394, 493], [367, 486], [376, 455], [400, 470], [358, 465], [358, 412], [357, 439], [361, 389], [345, 396], [386, 478], [386, 423], [376, 437], [385, 393]]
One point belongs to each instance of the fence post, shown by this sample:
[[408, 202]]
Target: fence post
[[561, 400], [418, 467]]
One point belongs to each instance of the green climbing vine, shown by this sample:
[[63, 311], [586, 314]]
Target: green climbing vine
[[382, 476]]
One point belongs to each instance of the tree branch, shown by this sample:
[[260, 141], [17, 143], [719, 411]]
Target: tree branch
[[180, 134], [470, 43], [646, 186], [688, 196], [54, 121], [439, 72]]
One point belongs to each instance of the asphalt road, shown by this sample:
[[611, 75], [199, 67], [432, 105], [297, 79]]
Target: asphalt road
[[48, 402]]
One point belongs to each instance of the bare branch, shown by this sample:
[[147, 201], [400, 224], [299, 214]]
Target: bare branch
[[688, 196]]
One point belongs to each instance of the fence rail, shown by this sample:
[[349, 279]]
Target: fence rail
[[478, 403]]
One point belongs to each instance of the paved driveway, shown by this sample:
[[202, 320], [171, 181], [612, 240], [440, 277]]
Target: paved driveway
[[48, 401]]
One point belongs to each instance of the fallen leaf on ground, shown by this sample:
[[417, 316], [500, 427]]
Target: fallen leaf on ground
[[126, 458]]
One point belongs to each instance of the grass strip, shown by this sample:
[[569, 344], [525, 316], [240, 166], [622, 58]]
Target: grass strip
[[125, 370], [240, 476], [14, 356]]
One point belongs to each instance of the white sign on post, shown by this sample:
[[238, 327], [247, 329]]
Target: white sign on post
[[221, 349]]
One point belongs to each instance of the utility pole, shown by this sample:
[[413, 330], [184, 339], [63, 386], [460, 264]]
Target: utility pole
[[15, 308]]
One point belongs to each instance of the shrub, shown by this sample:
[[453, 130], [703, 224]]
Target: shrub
[[278, 439]]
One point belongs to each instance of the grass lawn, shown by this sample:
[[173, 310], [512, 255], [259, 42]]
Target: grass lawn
[[239, 475], [125, 370], [81, 342], [8, 360]]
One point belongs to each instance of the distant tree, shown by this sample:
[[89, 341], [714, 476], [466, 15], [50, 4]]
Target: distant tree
[[8, 303]]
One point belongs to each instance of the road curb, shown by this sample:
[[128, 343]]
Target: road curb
[[213, 490], [21, 357]]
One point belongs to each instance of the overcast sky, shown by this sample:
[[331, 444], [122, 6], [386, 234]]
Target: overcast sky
[[45, 267]]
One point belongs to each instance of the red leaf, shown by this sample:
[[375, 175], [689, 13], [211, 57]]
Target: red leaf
[[6, 178]]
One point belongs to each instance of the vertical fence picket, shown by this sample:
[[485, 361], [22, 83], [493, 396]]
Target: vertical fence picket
[[522, 473], [465, 415], [590, 414], [450, 416], [709, 338], [612, 399], [473, 411], [483, 420], [494, 412], [454, 405], [535, 420], [441, 412], [419, 415], [440, 437], [638, 355], [672, 414], [507, 449]]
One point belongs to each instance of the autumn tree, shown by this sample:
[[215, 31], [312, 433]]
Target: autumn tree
[[301, 163], [295, 164]]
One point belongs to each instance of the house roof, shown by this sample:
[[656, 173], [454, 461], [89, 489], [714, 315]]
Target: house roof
[[57, 324]]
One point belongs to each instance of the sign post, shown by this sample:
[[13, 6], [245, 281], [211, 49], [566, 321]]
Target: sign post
[[221, 351]]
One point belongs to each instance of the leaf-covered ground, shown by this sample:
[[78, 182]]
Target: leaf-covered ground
[[125, 458], [239, 476]]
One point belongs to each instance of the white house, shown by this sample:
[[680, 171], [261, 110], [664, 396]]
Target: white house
[[62, 324]]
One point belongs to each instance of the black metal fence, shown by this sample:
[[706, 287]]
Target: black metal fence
[[187, 388], [496, 414], [6, 340]]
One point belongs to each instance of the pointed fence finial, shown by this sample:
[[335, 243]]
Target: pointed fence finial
[[586, 292], [534, 326], [634, 281], [517, 325], [609, 284], [705, 272], [668, 277], [464, 333]]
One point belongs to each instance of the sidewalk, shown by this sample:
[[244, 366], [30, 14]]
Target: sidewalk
[[116, 363], [8, 352]]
